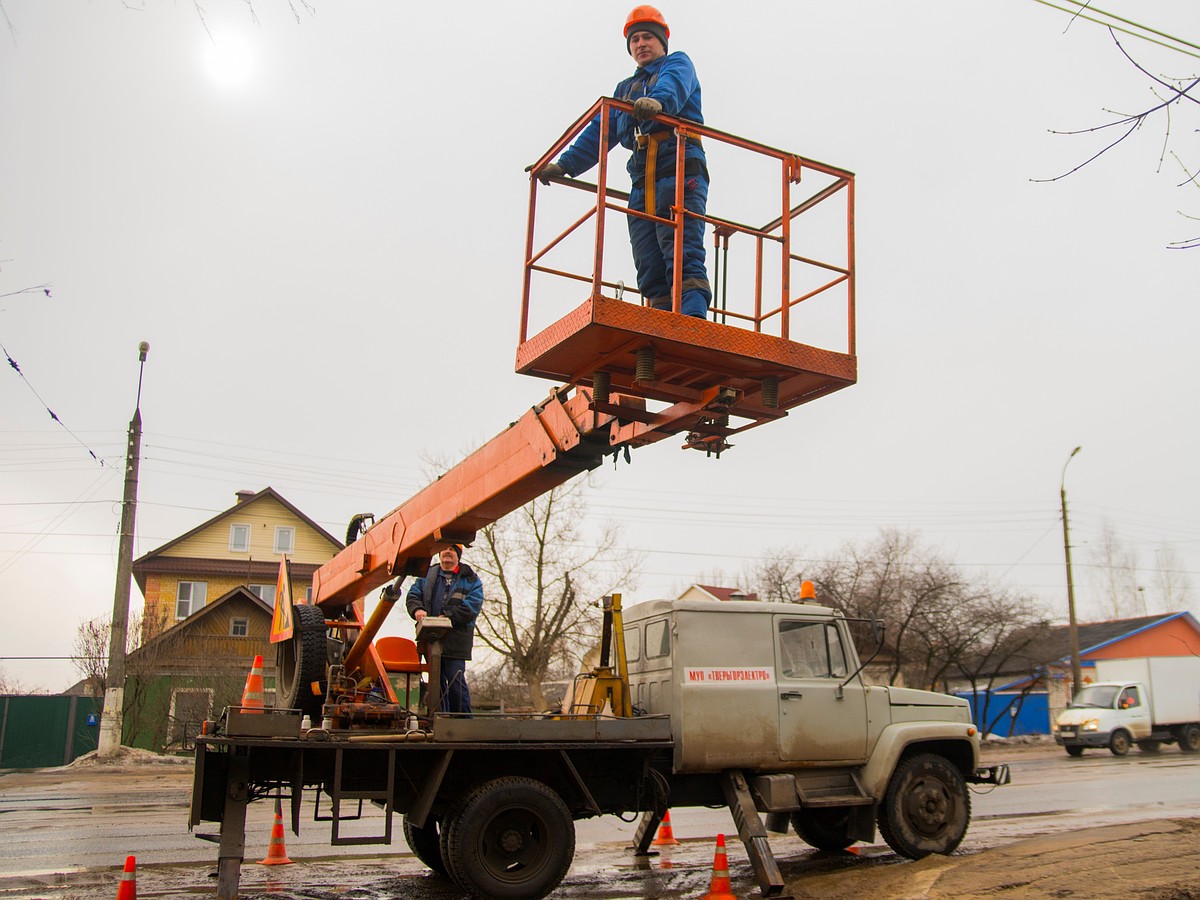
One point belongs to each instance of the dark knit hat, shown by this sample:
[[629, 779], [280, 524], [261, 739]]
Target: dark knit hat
[[654, 28], [450, 545]]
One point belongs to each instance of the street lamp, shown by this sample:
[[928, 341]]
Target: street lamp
[[1073, 628], [112, 716]]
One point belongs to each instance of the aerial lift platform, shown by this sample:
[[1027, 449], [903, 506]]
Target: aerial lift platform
[[626, 376]]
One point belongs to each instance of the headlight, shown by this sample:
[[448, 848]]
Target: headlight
[[1053, 727], [1091, 725]]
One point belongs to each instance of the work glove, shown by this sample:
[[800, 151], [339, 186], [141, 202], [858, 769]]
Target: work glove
[[552, 170], [646, 108]]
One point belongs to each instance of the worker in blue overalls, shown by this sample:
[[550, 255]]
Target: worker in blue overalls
[[663, 83], [450, 588]]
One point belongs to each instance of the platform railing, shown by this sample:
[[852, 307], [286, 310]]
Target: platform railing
[[760, 313]]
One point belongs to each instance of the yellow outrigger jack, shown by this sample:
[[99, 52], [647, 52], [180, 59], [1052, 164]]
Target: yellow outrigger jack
[[604, 691]]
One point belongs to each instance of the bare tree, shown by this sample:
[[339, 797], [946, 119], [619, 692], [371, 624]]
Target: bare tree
[[1174, 100], [1174, 586], [1115, 571], [544, 576], [9, 684], [89, 651]]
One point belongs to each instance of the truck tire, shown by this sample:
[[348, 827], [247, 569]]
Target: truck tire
[[425, 843], [511, 838], [1150, 746], [1189, 738], [1119, 742], [926, 808], [1075, 750], [300, 661], [825, 828]]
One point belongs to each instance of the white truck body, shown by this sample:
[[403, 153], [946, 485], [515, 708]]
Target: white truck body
[[1148, 701]]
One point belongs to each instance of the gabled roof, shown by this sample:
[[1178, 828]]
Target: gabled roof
[[1095, 635], [724, 593], [236, 508], [183, 624]]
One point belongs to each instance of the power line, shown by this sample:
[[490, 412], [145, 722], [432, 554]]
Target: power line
[[53, 415], [1143, 33]]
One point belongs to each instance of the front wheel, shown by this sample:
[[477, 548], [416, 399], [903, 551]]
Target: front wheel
[[1189, 738], [1119, 743], [1074, 750], [826, 829], [926, 808], [512, 838]]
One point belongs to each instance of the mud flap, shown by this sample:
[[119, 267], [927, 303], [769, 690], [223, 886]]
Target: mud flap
[[751, 831]]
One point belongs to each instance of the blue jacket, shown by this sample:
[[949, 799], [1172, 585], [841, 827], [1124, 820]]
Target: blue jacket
[[671, 80], [461, 604]]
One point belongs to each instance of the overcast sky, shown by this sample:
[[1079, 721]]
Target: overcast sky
[[318, 224]]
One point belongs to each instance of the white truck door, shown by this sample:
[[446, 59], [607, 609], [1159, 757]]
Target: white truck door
[[1132, 711], [815, 723]]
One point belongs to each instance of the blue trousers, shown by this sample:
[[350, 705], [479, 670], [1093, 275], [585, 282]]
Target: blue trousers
[[456, 696], [654, 246]]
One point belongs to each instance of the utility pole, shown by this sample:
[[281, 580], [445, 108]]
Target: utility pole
[[1073, 627], [111, 719]]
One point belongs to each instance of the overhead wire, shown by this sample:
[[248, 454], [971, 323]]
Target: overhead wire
[[53, 415], [1176, 44]]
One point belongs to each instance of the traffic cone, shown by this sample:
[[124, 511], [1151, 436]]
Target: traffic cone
[[665, 836], [127, 889], [720, 887], [252, 696], [276, 852]]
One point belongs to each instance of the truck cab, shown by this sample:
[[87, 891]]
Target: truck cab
[[776, 690]]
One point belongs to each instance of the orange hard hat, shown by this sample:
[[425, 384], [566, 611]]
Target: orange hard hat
[[640, 15]]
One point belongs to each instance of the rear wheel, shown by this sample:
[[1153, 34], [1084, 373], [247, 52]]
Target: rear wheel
[[1119, 743], [425, 844], [926, 808], [1074, 750], [510, 838], [1189, 738], [826, 829], [300, 661]]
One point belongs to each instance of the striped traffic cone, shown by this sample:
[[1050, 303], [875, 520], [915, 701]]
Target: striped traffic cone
[[127, 889], [720, 887], [665, 836], [252, 696], [276, 852]]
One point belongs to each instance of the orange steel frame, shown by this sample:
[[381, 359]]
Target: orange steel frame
[[792, 170], [708, 371]]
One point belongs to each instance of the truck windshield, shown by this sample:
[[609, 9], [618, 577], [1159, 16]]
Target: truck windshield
[[1098, 695]]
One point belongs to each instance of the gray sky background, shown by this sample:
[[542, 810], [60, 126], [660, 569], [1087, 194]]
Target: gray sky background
[[324, 251]]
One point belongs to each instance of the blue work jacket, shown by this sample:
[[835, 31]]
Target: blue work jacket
[[672, 81], [461, 604]]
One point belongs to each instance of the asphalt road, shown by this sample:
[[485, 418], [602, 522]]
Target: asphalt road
[[65, 833]]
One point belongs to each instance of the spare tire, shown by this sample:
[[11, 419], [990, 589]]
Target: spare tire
[[300, 662]]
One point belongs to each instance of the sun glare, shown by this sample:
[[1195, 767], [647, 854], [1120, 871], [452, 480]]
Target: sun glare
[[229, 59]]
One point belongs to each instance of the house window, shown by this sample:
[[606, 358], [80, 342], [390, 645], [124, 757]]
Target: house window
[[285, 539], [264, 592], [190, 596], [239, 538], [239, 627], [308, 594]]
